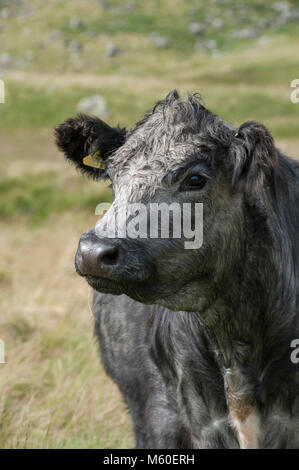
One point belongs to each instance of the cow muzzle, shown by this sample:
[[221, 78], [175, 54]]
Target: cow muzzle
[[112, 259], [96, 257]]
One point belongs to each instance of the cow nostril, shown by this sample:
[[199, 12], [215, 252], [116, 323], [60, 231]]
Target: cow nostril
[[96, 258], [110, 258]]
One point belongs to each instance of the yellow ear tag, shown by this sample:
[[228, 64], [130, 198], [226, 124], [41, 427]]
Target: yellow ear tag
[[95, 161]]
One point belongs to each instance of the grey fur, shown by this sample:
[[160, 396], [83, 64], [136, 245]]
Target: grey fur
[[206, 360]]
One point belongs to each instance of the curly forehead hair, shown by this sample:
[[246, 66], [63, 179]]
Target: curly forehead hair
[[182, 119], [165, 137]]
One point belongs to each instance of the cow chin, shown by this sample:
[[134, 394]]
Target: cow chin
[[141, 291], [105, 285], [181, 299]]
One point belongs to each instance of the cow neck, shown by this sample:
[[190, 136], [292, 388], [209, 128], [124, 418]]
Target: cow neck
[[250, 325]]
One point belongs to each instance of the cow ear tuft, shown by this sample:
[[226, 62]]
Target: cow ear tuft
[[87, 142], [253, 156]]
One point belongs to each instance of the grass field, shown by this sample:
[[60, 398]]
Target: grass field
[[53, 390]]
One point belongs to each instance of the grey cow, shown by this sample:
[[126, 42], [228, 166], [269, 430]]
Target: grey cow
[[198, 340]]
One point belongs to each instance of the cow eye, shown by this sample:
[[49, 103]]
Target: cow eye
[[193, 182]]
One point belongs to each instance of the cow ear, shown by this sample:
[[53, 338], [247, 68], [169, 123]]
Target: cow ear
[[254, 156], [87, 142]]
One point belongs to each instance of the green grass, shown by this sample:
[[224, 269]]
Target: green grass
[[38, 107], [131, 28], [35, 197], [34, 108], [257, 73]]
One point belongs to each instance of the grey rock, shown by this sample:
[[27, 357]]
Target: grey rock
[[287, 16], [76, 23], [75, 46], [112, 50], [5, 13], [247, 33], [216, 53], [285, 13], [104, 3], [217, 23], [196, 28], [91, 34], [264, 23], [160, 42], [243, 12], [95, 105], [192, 11], [5, 59], [129, 7], [229, 13], [295, 15], [206, 46], [210, 44], [282, 7]]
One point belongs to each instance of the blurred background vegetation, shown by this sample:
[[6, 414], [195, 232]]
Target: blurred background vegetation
[[123, 56]]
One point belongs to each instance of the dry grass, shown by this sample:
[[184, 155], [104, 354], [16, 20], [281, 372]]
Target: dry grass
[[54, 392]]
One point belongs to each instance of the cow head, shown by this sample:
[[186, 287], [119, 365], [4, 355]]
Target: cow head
[[179, 156]]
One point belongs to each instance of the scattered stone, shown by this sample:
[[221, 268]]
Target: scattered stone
[[217, 23], [247, 33], [112, 50], [5, 13], [91, 34], [196, 28], [205, 46], [95, 105], [264, 23], [229, 13], [285, 13], [129, 7], [75, 46], [216, 53], [243, 13], [264, 40], [160, 42], [105, 3], [192, 12], [295, 15], [53, 36], [210, 44], [282, 7], [5, 59], [76, 23]]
